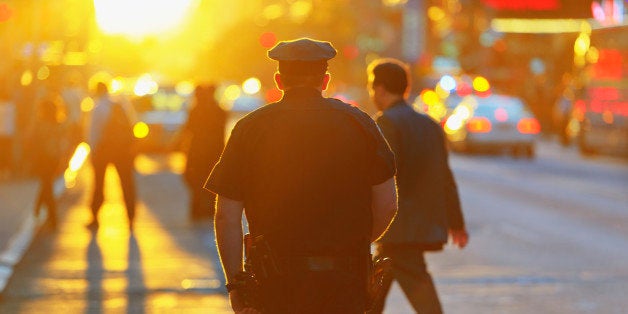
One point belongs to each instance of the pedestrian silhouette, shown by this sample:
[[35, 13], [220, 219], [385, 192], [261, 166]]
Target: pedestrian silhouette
[[48, 152], [206, 130], [111, 139], [429, 207]]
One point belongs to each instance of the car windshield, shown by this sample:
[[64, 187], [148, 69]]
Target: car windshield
[[486, 106], [165, 99]]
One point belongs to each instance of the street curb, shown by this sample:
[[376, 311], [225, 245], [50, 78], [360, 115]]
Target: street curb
[[20, 242]]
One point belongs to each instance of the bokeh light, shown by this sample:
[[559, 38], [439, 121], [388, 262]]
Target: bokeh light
[[273, 11], [43, 73], [435, 13], [481, 84], [429, 97], [268, 39], [251, 86], [273, 95], [350, 52], [26, 78], [232, 92], [87, 104], [441, 92], [447, 82], [582, 44], [184, 88], [5, 12], [117, 85], [300, 10], [141, 130], [145, 85]]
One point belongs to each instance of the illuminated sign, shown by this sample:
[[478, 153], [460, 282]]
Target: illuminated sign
[[539, 9], [608, 12]]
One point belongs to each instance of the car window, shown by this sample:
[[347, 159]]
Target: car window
[[486, 106]]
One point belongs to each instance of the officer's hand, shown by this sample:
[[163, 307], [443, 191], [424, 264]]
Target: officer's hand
[[459, 237], [237, 304]]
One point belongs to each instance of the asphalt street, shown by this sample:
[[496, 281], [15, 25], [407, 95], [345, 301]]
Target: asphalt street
[[547, 235]]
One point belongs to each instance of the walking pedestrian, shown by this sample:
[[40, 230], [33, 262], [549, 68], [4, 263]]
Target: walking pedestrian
[[314, 177], [7, 132], [111, 141], [47, 151], [429, 207], [206, 128]]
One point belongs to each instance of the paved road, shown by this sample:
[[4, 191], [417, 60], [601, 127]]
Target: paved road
[[548, 236]]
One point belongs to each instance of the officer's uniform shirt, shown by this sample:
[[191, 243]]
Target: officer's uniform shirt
[[304, 168]]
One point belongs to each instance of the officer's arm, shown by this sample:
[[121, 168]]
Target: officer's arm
[[384, 206], [228, 226]]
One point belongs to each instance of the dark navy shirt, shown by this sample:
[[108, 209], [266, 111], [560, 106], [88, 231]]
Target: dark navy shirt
[[304, 168]]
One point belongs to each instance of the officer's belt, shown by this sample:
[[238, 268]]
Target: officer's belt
[[320, 263]]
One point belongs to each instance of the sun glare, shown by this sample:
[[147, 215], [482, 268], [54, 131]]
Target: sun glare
[[137, 18]]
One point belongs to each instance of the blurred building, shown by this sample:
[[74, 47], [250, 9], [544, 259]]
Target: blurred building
[[524, 47]]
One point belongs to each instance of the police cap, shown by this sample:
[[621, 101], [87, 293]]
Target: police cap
[[302, 56]]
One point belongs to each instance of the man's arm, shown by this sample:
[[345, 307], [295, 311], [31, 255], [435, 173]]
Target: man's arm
[[228, 226], [384, 206]]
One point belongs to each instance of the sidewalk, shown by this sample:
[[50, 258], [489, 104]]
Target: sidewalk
[[17, 223], [166, 265]]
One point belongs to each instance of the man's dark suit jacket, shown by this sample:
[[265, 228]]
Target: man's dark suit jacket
[[428, 196]]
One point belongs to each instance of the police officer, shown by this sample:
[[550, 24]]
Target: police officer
[[314, 177]]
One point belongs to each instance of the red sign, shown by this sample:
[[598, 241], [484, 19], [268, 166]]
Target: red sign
[[609, 65], [535, 9], [517, 5]]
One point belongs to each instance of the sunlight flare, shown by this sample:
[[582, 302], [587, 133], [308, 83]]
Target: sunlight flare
[[139, 18]]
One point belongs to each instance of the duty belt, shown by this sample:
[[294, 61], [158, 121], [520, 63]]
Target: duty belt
[[320, 263]]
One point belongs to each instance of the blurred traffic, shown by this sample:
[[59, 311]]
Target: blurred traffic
[[492, 122], [575, 85]]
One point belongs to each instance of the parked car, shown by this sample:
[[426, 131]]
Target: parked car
[[492, 123], [160, 117]]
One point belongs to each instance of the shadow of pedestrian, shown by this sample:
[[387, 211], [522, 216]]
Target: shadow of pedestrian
[[94, 276], [136, 290]]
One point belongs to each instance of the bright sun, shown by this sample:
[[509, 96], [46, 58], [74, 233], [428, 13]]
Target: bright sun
[[137, 18]]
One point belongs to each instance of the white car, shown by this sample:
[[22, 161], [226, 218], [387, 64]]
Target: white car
[[492, 123], [163, 114]]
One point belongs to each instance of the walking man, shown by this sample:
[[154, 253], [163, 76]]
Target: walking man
[[111, 140], [429, 208], [314, 177]]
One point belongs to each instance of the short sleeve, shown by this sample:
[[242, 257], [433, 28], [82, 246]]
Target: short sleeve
[[382, 159], [226, 178]]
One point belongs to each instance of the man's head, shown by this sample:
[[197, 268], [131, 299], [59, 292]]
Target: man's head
[[101, 89], [302, 62], [388, 81]]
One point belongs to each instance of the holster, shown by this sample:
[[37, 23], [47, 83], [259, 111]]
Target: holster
[[380, 279], [260, 259]]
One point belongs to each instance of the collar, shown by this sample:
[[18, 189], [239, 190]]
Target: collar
[[301, 93], [401, 102]]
